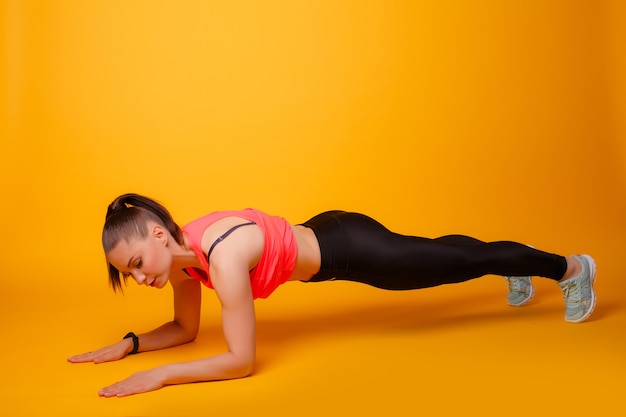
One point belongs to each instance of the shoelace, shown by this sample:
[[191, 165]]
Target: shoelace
[[516, 285], [571, 292]]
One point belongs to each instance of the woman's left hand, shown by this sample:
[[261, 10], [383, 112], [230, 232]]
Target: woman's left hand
[[137, 383]]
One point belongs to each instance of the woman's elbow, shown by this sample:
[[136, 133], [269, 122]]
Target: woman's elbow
[[186, 336], [243, 368], [247, 370]]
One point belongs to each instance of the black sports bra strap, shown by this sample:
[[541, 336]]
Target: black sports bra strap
[[224, 236]]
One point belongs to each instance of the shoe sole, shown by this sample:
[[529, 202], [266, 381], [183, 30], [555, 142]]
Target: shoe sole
[[592, 278], [528, 299]]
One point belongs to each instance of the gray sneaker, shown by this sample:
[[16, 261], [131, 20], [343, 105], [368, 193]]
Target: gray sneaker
[[580, 299], [521, 291]]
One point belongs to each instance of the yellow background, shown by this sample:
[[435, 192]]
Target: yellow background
[[497, 119]]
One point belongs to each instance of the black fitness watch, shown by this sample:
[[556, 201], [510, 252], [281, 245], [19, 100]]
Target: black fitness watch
[[135, 342]]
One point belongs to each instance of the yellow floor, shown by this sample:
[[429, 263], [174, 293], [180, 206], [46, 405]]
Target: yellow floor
[[329, 349]]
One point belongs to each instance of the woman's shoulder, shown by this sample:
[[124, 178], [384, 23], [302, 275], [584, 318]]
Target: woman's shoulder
[[213, 225], [208, 219], [250, 214]]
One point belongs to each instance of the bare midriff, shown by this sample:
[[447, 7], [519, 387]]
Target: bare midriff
[[309, 258]]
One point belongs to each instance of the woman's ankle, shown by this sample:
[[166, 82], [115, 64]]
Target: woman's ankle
[[573, 268]]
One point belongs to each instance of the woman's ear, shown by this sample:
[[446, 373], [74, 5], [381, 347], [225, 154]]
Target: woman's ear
[[159, 233]]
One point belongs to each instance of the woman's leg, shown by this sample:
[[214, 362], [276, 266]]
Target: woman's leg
[[368, 252], [458, 240], [355, 247]]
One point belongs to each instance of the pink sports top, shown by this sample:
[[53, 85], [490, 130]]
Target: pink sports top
[[277, 261]]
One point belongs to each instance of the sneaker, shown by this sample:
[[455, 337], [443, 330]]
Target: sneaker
[[521, 291], [580, 299]]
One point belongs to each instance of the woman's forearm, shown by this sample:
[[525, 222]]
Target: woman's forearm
[[219, 367], [168, 335]]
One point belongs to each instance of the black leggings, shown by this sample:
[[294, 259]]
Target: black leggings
[[355, 247]]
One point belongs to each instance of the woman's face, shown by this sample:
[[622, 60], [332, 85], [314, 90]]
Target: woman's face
[[147, 260]]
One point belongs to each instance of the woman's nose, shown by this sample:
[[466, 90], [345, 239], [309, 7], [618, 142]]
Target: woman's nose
[[139, 276]]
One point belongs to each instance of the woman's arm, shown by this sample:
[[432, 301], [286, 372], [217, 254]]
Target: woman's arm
[[230, 264], [182, 329], [232, 284], [239, 329]]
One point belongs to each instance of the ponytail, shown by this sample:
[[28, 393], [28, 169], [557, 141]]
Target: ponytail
[[127, 217]]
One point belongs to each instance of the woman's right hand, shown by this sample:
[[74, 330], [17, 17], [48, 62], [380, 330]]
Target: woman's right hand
[[110, 353]]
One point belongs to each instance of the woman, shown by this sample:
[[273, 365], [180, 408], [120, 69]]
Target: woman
[[247, 254]]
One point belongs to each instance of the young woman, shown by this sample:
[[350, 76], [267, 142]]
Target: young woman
[[247, 254]]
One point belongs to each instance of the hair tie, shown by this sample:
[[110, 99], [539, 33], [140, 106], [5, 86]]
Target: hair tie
[[118, 208], [113, 210]]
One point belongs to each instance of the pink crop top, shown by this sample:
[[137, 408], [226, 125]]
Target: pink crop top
[[278, 259]]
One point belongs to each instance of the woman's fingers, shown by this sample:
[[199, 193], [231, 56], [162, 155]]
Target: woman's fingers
[[135, 384], [106, 354], [83, 357]]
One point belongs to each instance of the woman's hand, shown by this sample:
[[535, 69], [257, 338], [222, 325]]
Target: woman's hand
[[135, 384], [107, 354]]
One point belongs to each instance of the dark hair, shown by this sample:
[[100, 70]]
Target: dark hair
[[127, 217]]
